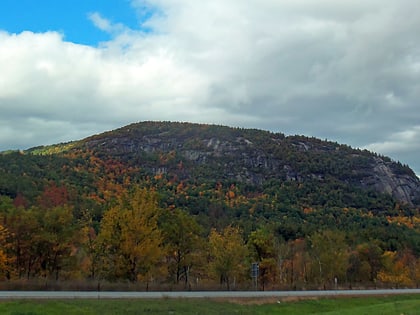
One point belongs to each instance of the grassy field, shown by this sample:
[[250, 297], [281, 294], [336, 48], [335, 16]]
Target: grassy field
[[391, 305]]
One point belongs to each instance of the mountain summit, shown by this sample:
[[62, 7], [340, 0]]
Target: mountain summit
[[197, 152], [309, 171]]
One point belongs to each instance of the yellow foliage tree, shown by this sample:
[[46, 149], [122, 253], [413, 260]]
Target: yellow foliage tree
[[265, 250], [228, 255], [4, 259], [129, 239], [395, 272]]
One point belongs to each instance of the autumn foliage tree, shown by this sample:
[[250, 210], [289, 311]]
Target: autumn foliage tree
[[228, 253], [53, 196], [41, 241], [129, 241], [395, 271], [4, 259], [265, 250]]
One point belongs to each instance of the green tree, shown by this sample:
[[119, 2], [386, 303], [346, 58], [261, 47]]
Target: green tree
[[57, 240], [358, 269], [6, 205], [181, 236], [330, 256], [371, 253]]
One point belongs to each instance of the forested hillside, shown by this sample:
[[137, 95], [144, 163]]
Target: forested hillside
[[179, 205]]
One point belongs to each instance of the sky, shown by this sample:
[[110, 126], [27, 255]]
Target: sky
[[346, 71]]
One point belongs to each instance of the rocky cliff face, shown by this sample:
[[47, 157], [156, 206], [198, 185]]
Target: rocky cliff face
[[402, 187], [253, 157]]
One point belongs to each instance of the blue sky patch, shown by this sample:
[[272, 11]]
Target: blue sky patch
[[71, 18]]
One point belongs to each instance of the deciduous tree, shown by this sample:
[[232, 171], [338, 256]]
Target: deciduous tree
[[181, 235], [330, 256], [394, 271], [265, 250], [228, 255], [129, 239]]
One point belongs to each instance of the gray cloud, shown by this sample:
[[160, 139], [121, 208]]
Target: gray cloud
[[348, 71]]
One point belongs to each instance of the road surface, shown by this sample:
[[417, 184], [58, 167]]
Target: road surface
[[194, 294]]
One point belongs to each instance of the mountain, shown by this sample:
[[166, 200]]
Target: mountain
[[294, 201], [196, 152], [201, 153]]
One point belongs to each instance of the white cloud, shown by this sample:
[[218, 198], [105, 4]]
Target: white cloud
[[106, 25], [342, 70], [100, 22], [401, 143]]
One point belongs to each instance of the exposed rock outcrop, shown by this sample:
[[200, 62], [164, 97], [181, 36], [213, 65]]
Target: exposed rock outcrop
[[403, 187], [254, 157]]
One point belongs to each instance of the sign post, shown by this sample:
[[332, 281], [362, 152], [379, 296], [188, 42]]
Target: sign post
[[255, 271]]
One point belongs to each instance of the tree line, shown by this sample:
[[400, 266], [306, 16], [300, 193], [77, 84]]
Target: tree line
[[139, 241]]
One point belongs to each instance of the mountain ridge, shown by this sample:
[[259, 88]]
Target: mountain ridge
[[254, 156], [203, 153]]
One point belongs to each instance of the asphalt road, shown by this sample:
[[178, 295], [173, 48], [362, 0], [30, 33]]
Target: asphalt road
[[194, 294]]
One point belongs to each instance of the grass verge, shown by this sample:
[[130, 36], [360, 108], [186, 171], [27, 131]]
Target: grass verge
[[386, 305]]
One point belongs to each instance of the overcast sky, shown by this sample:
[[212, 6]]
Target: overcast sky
[[346, 71]]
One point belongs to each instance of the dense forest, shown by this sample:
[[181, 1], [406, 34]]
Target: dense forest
[[159, 205]]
